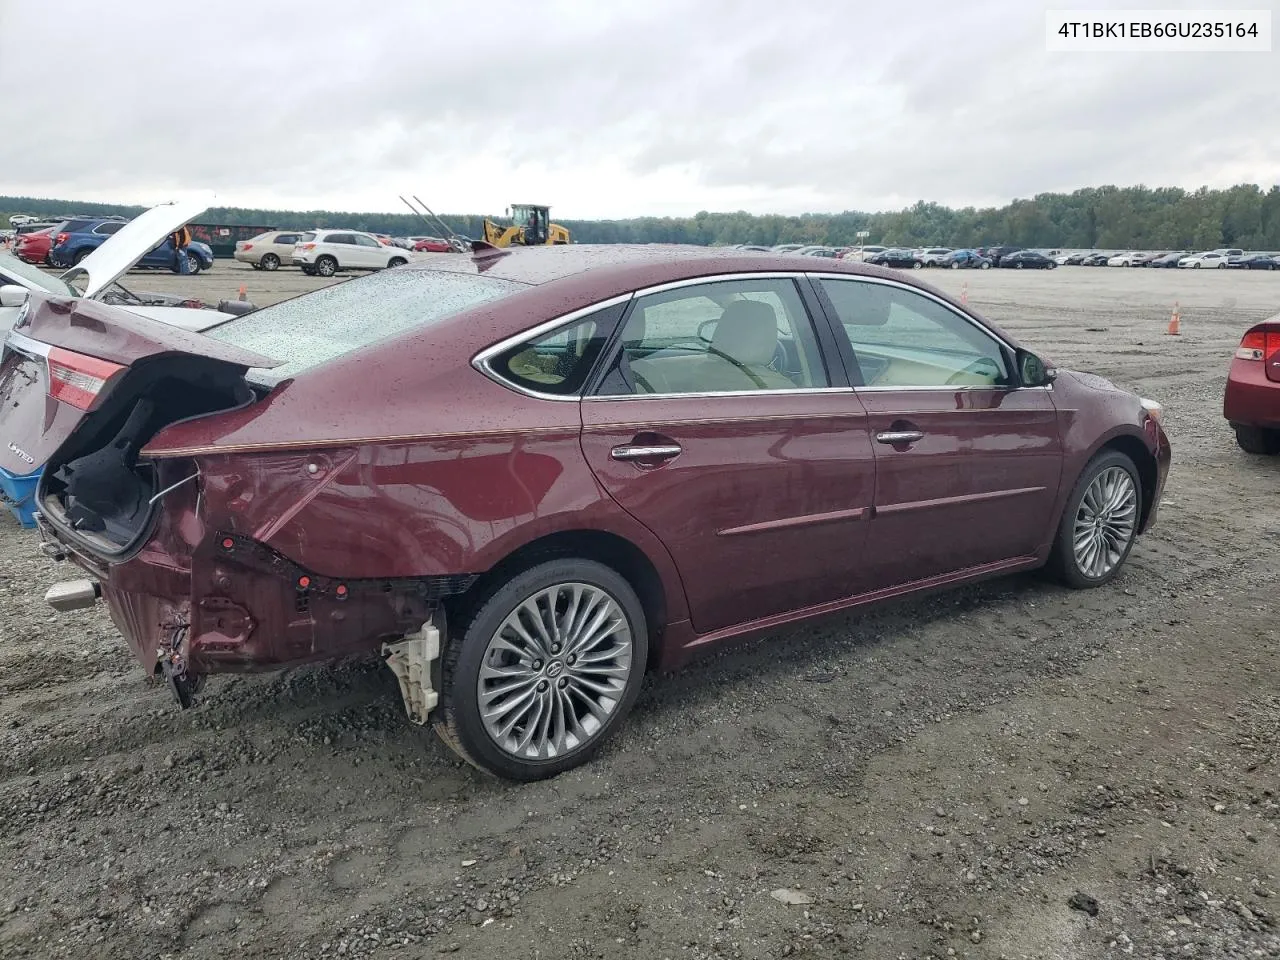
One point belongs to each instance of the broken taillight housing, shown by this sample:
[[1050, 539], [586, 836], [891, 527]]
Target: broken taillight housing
[[77, 379], [60, 239]]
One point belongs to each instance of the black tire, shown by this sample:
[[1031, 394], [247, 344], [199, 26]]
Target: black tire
[[1062, 565], [269, 261], [194, 265], [955, 265], [309, 271], [916, 265], [80, 255], [255, 266], [458, 720], [984, 266], [326, 266], [1018, 264], [396, 262], [1258, 440]]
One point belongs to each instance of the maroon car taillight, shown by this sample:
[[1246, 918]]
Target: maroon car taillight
[[1263, 347], [77, 379]]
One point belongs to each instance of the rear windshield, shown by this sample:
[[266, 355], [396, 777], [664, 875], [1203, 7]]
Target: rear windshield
[[317, 327], [306, 237]]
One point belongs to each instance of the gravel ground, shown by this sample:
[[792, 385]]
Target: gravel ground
[[1009, 770]]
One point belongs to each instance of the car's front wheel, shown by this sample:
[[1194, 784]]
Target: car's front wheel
[[544, 670], [396, 262], [1100, 522], [985, 265], [1258, 440], [326, 266], [270, 261], [194, 264]]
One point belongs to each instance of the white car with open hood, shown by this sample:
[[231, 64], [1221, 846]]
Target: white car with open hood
[[97, 276]]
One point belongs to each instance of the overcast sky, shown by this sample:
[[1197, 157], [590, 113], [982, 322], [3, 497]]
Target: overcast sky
[[609, 109]]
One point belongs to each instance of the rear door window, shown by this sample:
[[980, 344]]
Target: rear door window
[[731, 336]]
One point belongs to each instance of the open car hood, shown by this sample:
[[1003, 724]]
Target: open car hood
[[122, 250]]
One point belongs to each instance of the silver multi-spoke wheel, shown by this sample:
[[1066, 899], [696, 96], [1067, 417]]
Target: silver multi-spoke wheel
[[554, 671], [1105, 522]]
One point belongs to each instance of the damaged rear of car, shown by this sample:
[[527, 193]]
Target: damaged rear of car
[[180, 542]]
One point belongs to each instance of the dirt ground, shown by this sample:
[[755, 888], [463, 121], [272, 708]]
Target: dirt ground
[[955, 776]]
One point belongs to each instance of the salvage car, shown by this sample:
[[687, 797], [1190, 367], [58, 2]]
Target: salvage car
[[527, 476], [1251, 402]]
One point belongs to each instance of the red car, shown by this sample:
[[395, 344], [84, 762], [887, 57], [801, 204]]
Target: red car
[[1252, 400], [34, 247], [529, 476], [432, 245]]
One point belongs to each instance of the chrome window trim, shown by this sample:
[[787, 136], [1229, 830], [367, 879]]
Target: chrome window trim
[[482, 360], [949, 389], [786, 392]]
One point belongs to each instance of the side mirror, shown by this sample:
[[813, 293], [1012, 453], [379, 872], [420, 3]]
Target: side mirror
[[12, 295], [1033, 371]]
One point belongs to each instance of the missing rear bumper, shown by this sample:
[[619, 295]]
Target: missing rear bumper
[[413, 661]]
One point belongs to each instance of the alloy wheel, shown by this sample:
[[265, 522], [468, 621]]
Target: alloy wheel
[[555, 671], [1105, 522]]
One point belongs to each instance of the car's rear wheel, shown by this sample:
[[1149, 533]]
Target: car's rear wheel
[[1100, 522], [1258, 440], [544, 670], [80, 255], [326, 266], [270, 261], [396, 262]]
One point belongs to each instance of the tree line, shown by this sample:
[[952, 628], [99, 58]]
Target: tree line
[[1106, 217]]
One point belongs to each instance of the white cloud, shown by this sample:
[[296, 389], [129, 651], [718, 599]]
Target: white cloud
[[606, 110]]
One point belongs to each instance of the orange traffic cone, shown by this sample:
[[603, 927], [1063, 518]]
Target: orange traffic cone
[[1175, 322], [964, 292], [242, 296]]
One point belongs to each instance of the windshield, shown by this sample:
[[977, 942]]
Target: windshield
[[317, 327], [15, 268]]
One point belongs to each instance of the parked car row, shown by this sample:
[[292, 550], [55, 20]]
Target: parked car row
[[1015, 257], [322, 252], [69, 242]]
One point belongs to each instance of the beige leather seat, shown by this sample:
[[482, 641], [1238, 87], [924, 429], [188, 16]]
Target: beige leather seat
[[742, 347]]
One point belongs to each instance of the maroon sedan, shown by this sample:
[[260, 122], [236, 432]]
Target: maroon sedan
[[1252, 400], [528, 476]]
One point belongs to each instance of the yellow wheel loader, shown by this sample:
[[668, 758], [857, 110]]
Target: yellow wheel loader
[[531, 227]]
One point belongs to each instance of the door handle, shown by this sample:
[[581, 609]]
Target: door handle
[[900, 436], [638, 451]]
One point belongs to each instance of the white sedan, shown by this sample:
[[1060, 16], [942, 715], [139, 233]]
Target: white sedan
[[1213, 260]]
